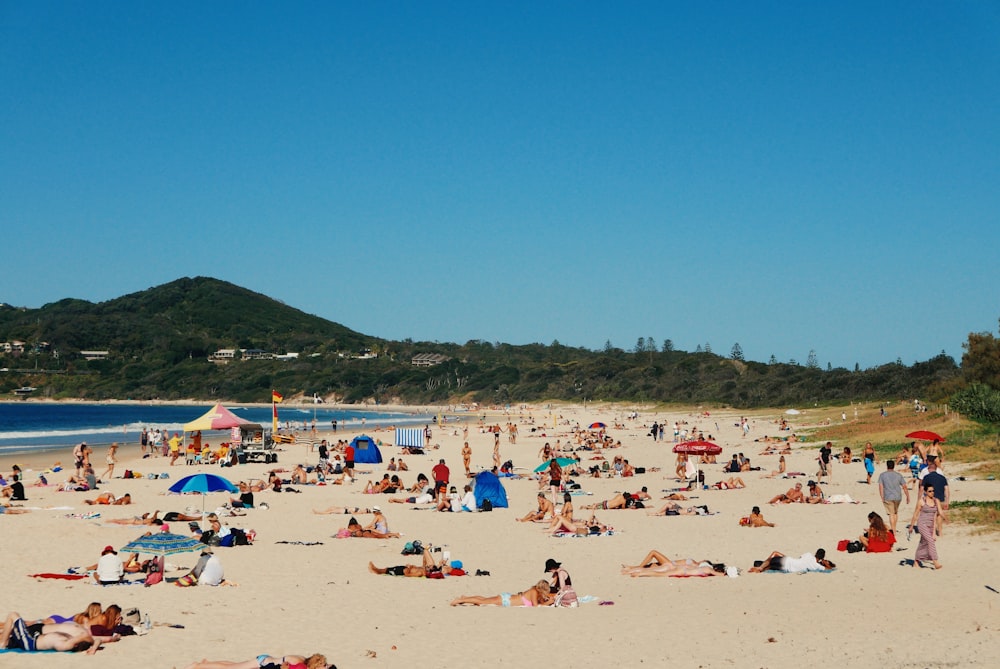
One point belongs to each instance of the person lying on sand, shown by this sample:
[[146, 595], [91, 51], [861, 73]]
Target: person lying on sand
[[6, 508], [674, 509], [731, 483], [623, 500], [429, 566], [68, 636], [657, 564], [345, 510], [315, 661], [537, 595], [154, 518], [780, 562], [580, 527], [108, 498]]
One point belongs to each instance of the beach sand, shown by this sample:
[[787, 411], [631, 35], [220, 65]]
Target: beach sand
[[296, 598]]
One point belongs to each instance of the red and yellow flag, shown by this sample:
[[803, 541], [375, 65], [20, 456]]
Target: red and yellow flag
[[276, 397]]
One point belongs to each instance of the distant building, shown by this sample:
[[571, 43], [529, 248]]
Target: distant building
[[94, 355], [428, 359], [287, 356]]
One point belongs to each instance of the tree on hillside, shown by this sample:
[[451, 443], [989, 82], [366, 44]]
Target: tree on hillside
[[737, 352], [812, 362], [668, 345], [981, 360]]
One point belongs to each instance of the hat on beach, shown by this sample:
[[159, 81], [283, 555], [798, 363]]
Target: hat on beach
[[811, 484], [377, 508], [551, 564], [109, 549], [164, 528]]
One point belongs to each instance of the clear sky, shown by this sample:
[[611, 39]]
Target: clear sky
[[786, 176]]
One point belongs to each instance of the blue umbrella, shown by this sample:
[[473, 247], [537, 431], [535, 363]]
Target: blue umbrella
[[162, 544], [203, 484]]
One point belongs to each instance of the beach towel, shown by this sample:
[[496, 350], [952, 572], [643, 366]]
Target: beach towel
[[840, 499], [560, 535], [65, 577]]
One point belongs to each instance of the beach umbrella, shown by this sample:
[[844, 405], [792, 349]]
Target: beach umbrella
[[162, 544], [698, 447], [925, 435], [597, 426], [203, 484], [563, 462]]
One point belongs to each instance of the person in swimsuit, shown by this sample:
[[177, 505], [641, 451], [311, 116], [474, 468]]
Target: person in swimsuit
[[537, 595], [657, 564], [66, 636], [870, 460], [411, 570], [545, 509], [315, 661]]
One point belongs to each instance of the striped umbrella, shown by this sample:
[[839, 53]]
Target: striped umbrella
[[162, 544]]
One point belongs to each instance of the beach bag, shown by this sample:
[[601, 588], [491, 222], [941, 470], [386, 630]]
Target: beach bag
[[131, 617], [487, 505], [745, 522], [842, 545], [855, 547]]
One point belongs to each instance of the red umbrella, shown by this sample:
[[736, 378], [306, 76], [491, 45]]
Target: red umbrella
[[597, 426], [698, 447], [925, 435]]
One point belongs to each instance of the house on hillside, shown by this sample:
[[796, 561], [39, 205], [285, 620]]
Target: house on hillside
[[91, 356], [428, 359]]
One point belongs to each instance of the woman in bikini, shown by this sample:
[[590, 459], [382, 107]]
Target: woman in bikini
[[537, 595], [265, 661], [677, 570], [565, 517]]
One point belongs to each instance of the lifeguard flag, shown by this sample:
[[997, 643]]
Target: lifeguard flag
[[276, 397]]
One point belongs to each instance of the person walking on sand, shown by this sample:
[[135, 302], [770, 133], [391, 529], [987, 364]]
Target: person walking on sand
[[870, 458], [175, 448], [111, 460], [467, 458], [925, 515], [891, 488], [824, 461]]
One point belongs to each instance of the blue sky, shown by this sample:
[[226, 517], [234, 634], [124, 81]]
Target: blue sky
[[791, 178]]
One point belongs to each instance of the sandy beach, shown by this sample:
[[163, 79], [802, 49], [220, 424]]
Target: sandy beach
[[298, 596]]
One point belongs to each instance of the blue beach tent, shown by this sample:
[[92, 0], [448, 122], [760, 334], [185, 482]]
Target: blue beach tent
[[488, 486], [366, 450]]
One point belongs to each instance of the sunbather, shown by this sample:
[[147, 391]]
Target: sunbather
[[657, 564], [429, 566], [315, 661], [545, 509], [338, 510], [807, 562], [793, 496], [756, 519], [109, 498], [623, 500], [537, 595], [66, 636], [731, 483], [674, 509]]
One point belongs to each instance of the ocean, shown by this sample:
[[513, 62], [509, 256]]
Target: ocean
[[31, 427]]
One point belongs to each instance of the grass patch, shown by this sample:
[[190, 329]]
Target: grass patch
[[986, 515]]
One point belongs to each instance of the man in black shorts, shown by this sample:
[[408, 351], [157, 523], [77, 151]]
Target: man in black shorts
[[68, 636], [413, 571]]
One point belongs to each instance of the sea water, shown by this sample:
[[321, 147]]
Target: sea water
[[32, 426]]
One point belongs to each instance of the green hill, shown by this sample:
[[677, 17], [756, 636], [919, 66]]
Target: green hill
[[159, 342]]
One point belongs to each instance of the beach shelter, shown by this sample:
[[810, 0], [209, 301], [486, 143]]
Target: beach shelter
[[366, 450], [488, 486], [219, 418]]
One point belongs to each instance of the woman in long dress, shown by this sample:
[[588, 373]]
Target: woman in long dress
[[924, 516]]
